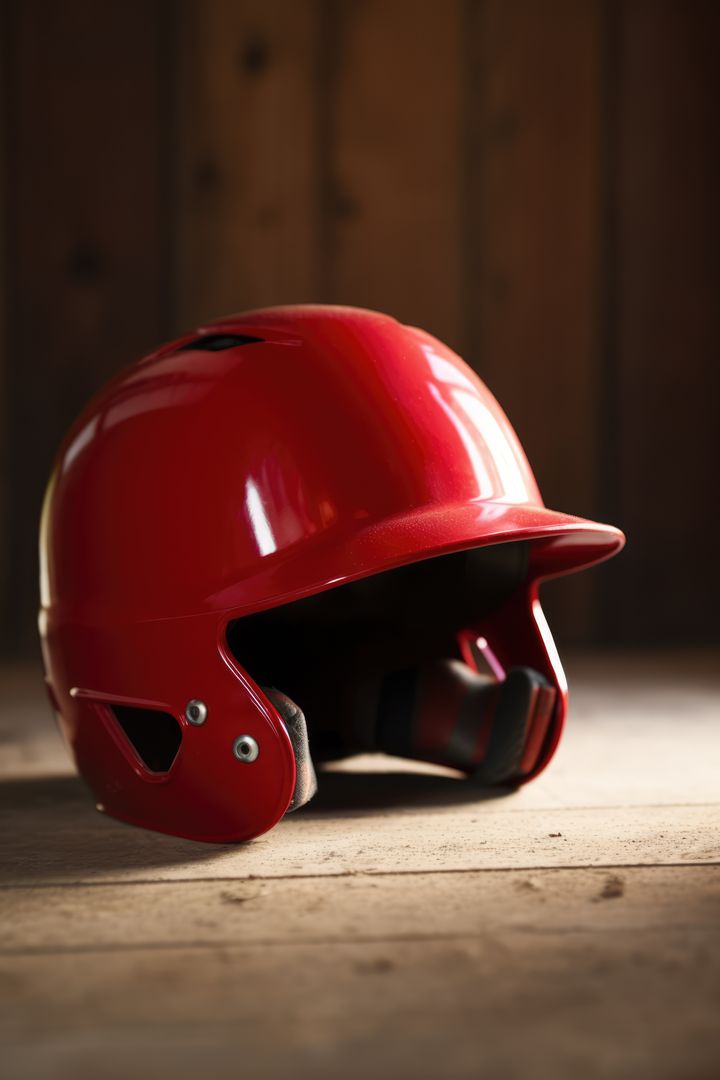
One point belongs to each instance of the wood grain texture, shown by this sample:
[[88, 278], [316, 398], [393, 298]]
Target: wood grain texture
[[246, 135], [393, 143], [377, 931], [535, 129], [446, 830], [359, 907], [533, 216], [633, 1002], [664, 301], [85, 85]]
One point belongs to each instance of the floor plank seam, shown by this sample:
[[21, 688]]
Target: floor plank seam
[[234, 879], [313, 942]]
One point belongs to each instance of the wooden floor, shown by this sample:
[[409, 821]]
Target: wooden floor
[[401, 926]]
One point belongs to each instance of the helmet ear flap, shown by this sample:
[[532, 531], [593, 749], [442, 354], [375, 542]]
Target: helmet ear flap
[[293, 718]]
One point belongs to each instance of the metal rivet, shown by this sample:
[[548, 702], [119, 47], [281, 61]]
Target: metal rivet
[[245, 749], [196, 712]]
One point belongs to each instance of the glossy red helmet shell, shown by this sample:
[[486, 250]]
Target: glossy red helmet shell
[[258, 460]]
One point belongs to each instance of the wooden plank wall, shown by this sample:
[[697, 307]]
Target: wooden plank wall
[[533, 180], [394, 161], [663, 319], [533, 273], [86, 257], [246, 214]]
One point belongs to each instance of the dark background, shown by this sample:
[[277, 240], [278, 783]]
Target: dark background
[[535, 182]]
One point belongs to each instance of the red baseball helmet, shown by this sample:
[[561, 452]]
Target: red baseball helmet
[[298, 512]]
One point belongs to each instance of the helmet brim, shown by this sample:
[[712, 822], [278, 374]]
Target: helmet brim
[[559, 544], [562, 543]]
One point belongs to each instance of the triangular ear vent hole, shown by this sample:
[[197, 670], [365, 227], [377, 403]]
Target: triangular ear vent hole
[[218, 342], [155, 736]]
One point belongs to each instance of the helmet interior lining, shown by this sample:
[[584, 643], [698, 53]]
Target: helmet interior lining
[[312, 649]]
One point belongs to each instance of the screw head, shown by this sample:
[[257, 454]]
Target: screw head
[[196, 712], [246, 749]]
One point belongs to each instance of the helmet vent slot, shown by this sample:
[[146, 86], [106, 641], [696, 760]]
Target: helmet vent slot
[[155, 736], [218, 342]]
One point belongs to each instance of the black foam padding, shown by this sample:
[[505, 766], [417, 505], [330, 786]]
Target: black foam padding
[[461, 747], [294, 719], [509, 731]]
